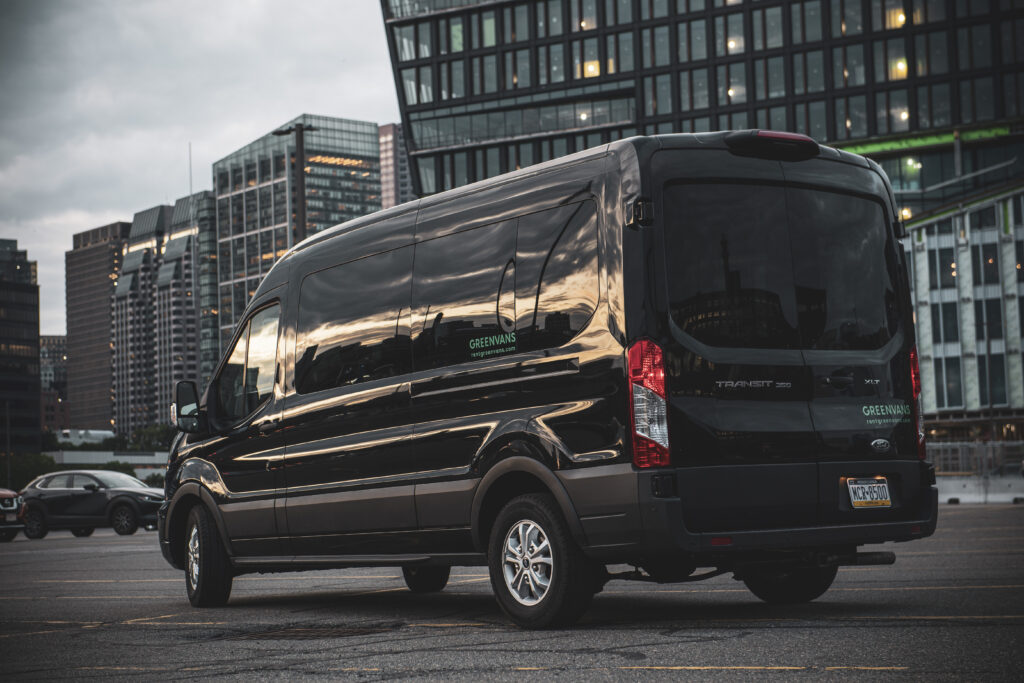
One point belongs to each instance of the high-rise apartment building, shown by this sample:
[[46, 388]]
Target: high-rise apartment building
[[931, 89], [395, 180], [256, 191], [90, 270], [19, 349], [53, 381]]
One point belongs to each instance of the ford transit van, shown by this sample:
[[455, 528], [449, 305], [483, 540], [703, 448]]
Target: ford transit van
[[687, 354]]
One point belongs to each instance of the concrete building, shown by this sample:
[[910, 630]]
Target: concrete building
[[19, 350], [53, 381], [90, 270], [395, 179], [256, 193], [931, 89]]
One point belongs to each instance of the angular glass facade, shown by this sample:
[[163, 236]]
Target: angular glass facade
[[255, 190]]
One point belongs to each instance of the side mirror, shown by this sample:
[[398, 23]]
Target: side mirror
[[185, 413], [91, 487]]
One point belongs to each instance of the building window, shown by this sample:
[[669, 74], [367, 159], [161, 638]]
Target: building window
[[517, 69], [976, 103], [732, 84], [453, 79], [926, 11], [1013, 93], [808, 72], [583, 15], [734, 121], [517, 24], [485, 30], [658, 95], [693, 90], [450, 35], [485, 74], [985, 259], [890, 60], [769, 78], [693, 40], [549, 18], [585, 60], [806, 21], [851, 117], [847, 18], [972, 8], [653, 9], [996, 395], [729, 35], [1013, 41], [849, 69], [948, 389], [684, 6], [887, 14], [931, 53], [773, 118], [618, 12], [654, 46], [620, 53], [551, 63], [892, 112], [810, 119], [405, 41], [933, 106], [975, 47], [767, 28]]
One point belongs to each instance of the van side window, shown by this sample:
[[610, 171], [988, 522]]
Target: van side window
[[247, 379], [556, 259], [459, 310], [353, 322]]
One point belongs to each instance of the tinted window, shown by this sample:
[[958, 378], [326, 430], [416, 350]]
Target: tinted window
[[772, 267], [117, 480], [61, 481], [353, 322], [247, 379], [459, 311], [81, 480], [556, 274]]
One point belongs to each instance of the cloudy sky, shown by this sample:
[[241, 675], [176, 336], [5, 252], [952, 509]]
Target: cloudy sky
[[100, 99]]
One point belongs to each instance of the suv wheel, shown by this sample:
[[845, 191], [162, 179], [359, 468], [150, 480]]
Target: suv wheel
[[82, 532], [539, 575], [35, 524], [426, 579], [208, 574], [791, 585], [124, 521]]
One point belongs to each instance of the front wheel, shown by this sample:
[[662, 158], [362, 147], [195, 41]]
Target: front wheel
[[208, 574], [124, 521], [35, 524], [82, 532], [791, 585], [426, 579], [539, 575]]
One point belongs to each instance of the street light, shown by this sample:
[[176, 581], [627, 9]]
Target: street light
[[300, 172]]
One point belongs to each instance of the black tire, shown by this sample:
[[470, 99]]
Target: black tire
[[124, 520], [534, 521], [82, 532], [426, 579], [8, 536], [208, 574], [35, 524], [791, 585]]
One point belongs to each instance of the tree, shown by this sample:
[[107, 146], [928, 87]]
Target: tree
[[155, 437]]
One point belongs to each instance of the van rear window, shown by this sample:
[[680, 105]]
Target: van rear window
[[769, 266]]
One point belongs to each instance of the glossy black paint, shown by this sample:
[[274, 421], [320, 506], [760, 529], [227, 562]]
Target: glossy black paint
[[428, 373], [79, 498]]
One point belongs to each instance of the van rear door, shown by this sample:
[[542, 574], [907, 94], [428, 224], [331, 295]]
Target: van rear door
[[785, 305]]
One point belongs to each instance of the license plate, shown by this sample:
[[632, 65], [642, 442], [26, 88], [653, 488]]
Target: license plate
[[869, 493]]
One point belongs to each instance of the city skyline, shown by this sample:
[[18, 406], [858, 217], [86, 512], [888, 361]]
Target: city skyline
[[105, 98]]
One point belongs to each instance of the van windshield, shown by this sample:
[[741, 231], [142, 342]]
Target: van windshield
[[771, 266]]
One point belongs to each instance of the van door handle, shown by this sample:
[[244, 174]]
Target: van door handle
[[269, 426]]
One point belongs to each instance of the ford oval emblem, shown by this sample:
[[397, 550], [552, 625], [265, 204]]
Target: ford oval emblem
[[881, 446]]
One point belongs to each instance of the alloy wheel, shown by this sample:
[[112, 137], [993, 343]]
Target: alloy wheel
[[528, 562], [193, 556]]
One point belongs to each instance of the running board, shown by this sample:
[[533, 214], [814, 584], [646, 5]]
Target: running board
[[298, 563]]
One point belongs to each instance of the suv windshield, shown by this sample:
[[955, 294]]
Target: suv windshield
[[769, 266]]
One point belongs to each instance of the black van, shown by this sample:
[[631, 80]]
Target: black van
[[692, 354]]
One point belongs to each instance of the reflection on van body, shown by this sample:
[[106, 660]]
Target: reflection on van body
[[675, 352]]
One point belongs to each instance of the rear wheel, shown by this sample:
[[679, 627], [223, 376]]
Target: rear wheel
[[124, 521], [8, 536], [791, 585], [539, 575], [82, 532], [35, 524], [426, 579], [208, 574]]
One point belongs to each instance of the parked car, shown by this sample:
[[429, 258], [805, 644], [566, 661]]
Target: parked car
[[81, 500], [677, 352], [12, 515]]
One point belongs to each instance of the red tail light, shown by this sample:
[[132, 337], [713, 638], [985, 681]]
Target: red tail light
[[648, 409], [918, 412]]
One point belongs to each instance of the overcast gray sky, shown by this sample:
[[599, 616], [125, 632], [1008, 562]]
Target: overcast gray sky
[[99, 100]]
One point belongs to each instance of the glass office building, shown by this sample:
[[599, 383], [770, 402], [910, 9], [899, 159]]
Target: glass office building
[[931, 89], [255, 190]]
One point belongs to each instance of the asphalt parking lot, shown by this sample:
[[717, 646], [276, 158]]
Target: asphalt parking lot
[[951, 608]]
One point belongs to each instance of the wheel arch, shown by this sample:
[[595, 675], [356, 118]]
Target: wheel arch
[[185, 498]]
